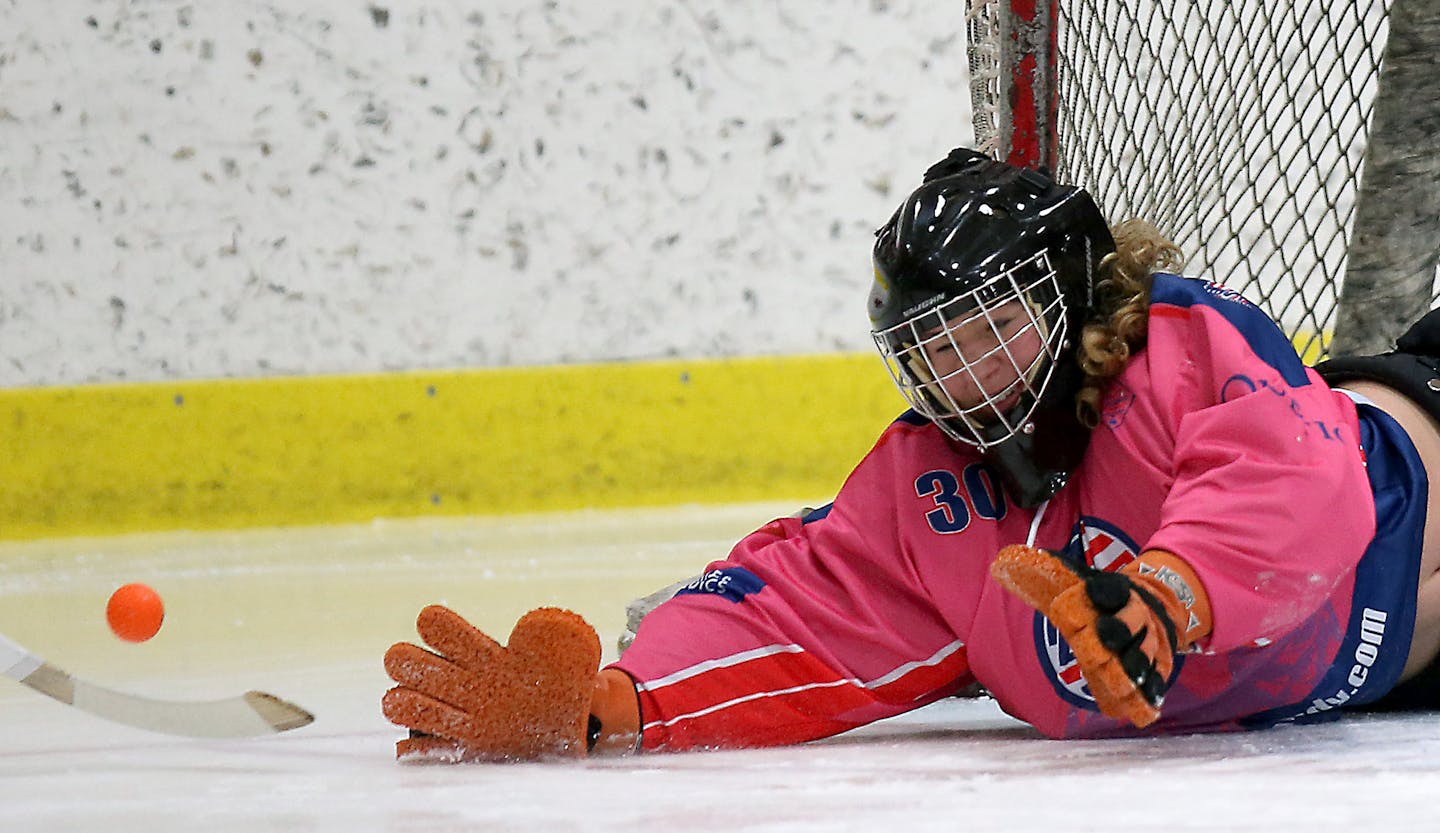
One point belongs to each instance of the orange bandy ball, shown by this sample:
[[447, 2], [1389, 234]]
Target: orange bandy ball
[[135, 612]]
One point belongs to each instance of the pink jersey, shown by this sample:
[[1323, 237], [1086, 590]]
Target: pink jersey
[[1216, 444]]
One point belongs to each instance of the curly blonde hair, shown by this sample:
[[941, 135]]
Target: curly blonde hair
[[1122, 309]]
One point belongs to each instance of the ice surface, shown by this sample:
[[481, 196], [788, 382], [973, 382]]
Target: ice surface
[[307, 613]]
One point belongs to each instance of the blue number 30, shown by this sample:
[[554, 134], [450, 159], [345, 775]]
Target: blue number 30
[[952, 511]]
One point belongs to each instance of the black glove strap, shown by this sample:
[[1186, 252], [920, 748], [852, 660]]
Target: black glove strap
[[1110, 593]]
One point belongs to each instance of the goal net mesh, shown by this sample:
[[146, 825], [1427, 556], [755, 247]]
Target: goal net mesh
[[1237, 127]]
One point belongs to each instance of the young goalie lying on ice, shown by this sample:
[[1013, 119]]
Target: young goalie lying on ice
[[1119, 502]]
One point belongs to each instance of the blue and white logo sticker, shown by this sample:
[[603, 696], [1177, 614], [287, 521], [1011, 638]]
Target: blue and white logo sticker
[[733, 583]]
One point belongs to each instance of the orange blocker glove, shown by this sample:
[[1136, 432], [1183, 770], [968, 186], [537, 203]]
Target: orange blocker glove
[[1124, 627], [540, 696]]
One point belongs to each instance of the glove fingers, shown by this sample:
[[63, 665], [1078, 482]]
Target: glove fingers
[[448, 633], [412, 709], [1122, 676], [561, 644], [1111, 682], [1135, 615], [1033, 574], [423, 748], [430, 674], [527, 701], [1116, 695], [492, 734], [1153, 640]]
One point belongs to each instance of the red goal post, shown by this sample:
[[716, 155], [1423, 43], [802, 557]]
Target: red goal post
[[1290, 147]]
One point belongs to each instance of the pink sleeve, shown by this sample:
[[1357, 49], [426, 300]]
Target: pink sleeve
[[806, 629], [1270, 503]]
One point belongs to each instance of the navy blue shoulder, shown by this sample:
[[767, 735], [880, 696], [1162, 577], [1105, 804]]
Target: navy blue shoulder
[[1259, 330], [817, 514]]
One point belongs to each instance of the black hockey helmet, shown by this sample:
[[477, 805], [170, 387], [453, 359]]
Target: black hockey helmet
[[983, 280]]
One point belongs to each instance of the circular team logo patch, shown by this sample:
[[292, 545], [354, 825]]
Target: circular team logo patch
[[1102, 545]]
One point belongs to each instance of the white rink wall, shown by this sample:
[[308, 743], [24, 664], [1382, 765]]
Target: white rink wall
[[239, 189]]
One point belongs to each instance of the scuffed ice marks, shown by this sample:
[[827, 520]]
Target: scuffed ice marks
[[446, 185]]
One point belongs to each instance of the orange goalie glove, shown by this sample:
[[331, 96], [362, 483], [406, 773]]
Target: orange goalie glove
[[1125, 628], [537, 697]]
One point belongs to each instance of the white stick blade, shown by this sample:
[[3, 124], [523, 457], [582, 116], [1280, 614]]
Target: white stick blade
[[250, 715]]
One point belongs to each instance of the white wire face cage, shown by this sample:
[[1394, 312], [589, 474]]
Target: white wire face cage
[[978, 364]]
